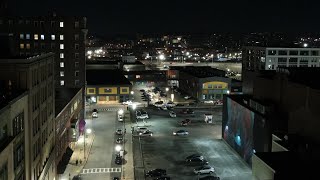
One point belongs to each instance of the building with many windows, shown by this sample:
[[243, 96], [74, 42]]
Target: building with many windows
[[65, 36], [13, 116], [35, 75], [255, 59]]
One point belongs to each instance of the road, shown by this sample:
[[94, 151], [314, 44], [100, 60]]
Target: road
[[100, 164]]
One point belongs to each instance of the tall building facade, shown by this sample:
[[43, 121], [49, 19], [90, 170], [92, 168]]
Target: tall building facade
[[36, 76], [65, 36], [255, 59]]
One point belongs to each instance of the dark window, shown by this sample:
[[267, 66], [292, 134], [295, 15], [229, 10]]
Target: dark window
[[4, 172], [91, 90], [209, 86], [18, 155], [315, 53], [304, 53], [18, 124], [36, 23], [76, 64], [124, 90], [293, 60], [107, 90], [282, 60], [272, 52], [76, 73], [281, 52], [293, 53]]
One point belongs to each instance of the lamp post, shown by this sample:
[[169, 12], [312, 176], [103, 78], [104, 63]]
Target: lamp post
[[167, 89]]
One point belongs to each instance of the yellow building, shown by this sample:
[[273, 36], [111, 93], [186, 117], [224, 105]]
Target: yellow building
[[107, 87]]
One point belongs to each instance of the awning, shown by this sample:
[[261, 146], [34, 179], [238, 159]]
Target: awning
[[64, 161]]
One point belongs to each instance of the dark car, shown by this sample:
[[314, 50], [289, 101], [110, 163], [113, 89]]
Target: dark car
[[210, 178], [156, 173], [116, 178], [185, 122], [194, 156], [190, 111], [118, 160], [142, 90], [95, 110], [163, 178], [77, 177], [197, 161]]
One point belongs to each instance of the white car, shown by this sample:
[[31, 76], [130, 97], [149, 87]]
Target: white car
[[187, 97], [119, 132], [164, 108], [204, 170], [94, 114], [127, 103], [120, 118], [171, 104], [181, 133], [172, 114], [142, 129], [146, 133]]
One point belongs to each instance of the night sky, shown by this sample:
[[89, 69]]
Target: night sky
[[177, 16]]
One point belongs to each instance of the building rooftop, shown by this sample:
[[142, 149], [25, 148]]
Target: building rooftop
[[203, 71], [23, 59], [63, 96], [7, 95], [106, 77]]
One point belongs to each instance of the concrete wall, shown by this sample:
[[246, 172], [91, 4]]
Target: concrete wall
[[261, 170]]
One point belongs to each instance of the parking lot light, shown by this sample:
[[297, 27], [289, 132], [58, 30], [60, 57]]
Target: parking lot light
[[132, 92], [118, 148]]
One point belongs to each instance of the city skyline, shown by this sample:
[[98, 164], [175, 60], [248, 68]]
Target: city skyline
[[130, 17]]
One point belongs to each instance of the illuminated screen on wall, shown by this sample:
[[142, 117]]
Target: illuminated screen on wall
[[238, 131]]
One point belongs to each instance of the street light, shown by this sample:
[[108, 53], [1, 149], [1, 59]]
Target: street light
[[88, 131], [134, 106], [167, 89], [132, 92], [118, 148], [120, 111]]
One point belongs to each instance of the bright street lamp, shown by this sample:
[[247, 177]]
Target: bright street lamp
[[167, 89], [88, 131], [120, 111], [118, 148], [132, 92], [161, 57]]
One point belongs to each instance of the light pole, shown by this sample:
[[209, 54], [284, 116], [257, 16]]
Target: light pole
[[167, 89]]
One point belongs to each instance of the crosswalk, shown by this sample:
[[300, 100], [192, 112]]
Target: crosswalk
[[108, 109], [100, 170]]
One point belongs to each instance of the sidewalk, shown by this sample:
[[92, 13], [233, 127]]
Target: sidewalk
[[74, 169], [127, 169]]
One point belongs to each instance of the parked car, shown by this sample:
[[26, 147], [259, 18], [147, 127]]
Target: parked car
[[142, 129], [187, 97], [194, 156], [163, 178], [94, 114], [185, 122], [210, 178], [146, 133], [158, 103], [142, 90], [118, 160], [127, 103], [119, 132], [190, 111], [156, 173], [197, 161], [119, 140], [95, 110], [171, 104], [181, 133], [204, 170], [164, 108], [77, 177], [120, 118], [172, 114], [218, 103]]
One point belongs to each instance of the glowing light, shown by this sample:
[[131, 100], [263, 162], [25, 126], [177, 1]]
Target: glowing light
[[88, 131], [118, 148], [120, 111], [305, 45]]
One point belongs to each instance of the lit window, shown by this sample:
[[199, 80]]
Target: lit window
[[62, 83], [61, 37], [61, 64], [61, 55], [76, 37], [137, 76], [61, 24], [28, 46], [27, 36], [76, 24], [53, 37], [36, 37], [21, 46], [61, 46], [61, 73], [21, 36], [42, 37]]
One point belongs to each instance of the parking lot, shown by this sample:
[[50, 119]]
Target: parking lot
[[166, 151]]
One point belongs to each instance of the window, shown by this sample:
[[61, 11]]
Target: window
[[76, 37], [4, 171], [61, 55], [76, 64], [18, 155], [293, 53], [91, 90], [61, 46], [282, 60], [272, 52], [62, 83], [41, 23], [27, 36], [76, 46], [21, 36], [76, 24], [61, 64], [138, 77], [61, 24], [124, 90], [18, 124], [293, 60], [107, 90], [28, 46], [209, 86], [52, 23], [282, 52], [53, 37], [61, 73], [315, 53], [218, 96], [21, 46], [304, 53], [76, 55], [76, 73], [36, 37], [77, 82], [42, 37], [43, 45], [61, 37], [35, 23], [35, 45], [53, 45]]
